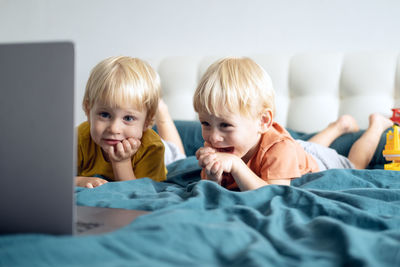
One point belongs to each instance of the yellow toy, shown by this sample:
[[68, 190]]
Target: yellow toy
[[392, 149]]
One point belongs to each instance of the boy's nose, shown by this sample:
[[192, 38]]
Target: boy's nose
[[215, 137], [115, 126]]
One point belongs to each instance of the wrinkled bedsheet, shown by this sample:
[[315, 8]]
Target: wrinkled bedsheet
[[330, 218]]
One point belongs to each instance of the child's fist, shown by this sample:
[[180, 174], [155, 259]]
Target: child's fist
[[124, 150]]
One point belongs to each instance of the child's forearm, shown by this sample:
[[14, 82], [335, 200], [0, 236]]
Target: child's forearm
[[245, 178], [123, 170]]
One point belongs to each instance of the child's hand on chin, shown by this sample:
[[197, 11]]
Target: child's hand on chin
[[124, 150], [215, 163]]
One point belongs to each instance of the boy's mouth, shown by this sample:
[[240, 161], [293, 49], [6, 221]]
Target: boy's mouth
[[111, 142], [225, 149]]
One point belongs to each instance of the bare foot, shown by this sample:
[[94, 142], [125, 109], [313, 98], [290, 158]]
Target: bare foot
[[379, 121], [346, 124]]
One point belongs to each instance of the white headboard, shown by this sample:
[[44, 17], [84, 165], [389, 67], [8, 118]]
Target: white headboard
[[312, 89], [156, 29]]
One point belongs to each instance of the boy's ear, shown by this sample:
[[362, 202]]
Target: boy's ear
[[266, 120], [149, 122], [86, 108], [147, 125]]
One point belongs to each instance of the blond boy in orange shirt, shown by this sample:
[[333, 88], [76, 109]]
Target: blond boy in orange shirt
[[245, 149]]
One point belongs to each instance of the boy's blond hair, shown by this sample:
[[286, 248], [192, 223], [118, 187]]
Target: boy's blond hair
[[123, 81], [234, 85]]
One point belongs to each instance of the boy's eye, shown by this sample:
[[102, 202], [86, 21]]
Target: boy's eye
[[204, 123], [129, 118], [225, 125], [104, 114]]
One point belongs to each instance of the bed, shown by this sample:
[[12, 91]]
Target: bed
[[330, 218]]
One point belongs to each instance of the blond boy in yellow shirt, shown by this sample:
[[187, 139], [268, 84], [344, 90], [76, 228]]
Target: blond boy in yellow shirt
[[116, 142]]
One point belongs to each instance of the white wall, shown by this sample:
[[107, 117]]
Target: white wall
[[158, 28]]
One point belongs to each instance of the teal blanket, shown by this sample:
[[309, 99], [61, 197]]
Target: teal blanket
[[331, 218]]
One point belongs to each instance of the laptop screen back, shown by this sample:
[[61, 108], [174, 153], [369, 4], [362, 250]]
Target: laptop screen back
[[37, 151]]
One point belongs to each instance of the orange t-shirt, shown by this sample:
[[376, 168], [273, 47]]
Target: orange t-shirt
[[278, 156]]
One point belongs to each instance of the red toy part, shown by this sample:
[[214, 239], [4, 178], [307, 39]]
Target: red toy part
[[396, 115]]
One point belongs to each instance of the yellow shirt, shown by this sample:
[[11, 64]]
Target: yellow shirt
[[147, 162]]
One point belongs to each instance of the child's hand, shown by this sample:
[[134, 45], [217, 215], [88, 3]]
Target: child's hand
[[223, 162], [215, 163], [89, 182], [206, 157], [124, 150]]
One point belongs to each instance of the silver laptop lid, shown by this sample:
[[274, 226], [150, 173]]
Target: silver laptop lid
[[37, 151]]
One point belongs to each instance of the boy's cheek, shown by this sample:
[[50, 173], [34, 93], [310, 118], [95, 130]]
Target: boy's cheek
[[138, 135], [94, 137], [135, 133], [204, 135]]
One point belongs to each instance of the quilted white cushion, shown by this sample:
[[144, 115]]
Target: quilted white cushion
[[312, 89]]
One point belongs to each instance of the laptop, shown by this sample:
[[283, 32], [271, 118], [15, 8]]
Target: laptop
[[37, 147]]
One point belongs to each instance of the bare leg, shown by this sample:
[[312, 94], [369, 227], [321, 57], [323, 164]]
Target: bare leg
[[166, 127], [364, 148], [344, 124]]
